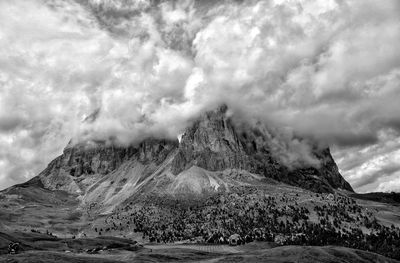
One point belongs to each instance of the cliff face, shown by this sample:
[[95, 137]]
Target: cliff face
[[92, 160], [212, 143]]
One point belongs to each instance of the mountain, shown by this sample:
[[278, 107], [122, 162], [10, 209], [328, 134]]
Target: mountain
[[208, 149]]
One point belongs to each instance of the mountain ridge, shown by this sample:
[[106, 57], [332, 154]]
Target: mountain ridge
[[213, 142]]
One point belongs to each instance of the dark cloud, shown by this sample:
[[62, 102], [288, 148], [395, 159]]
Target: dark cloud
[[9, 123]]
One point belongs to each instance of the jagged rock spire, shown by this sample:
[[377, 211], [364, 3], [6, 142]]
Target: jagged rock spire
[[214, 143]]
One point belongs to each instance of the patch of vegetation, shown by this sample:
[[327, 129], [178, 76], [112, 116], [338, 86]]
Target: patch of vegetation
[[254, 214]]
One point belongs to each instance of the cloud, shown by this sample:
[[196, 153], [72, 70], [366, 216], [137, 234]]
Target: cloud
[[392, 185], [329, 70], [372, 168]]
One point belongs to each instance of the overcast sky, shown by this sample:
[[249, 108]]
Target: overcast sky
[[327, 69]]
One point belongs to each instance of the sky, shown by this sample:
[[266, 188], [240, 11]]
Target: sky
[[326, 69]]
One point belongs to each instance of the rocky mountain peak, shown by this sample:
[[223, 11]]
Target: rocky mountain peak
[[213, 143], [212, 130]]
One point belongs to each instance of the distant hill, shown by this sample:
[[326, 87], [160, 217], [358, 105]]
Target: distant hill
[[391, 198]]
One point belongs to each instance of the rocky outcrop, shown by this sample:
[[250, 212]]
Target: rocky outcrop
[[100, 158], [96, 159], [215, 144], [211, 143]]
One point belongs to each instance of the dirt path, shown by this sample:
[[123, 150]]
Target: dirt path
[[205, 248]]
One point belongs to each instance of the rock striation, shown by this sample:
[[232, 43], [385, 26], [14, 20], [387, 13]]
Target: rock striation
[[97, 159]]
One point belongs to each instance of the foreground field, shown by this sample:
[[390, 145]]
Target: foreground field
[[255, 252]]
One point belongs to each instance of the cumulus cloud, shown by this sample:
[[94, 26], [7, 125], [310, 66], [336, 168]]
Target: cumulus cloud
[[329, 70]]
